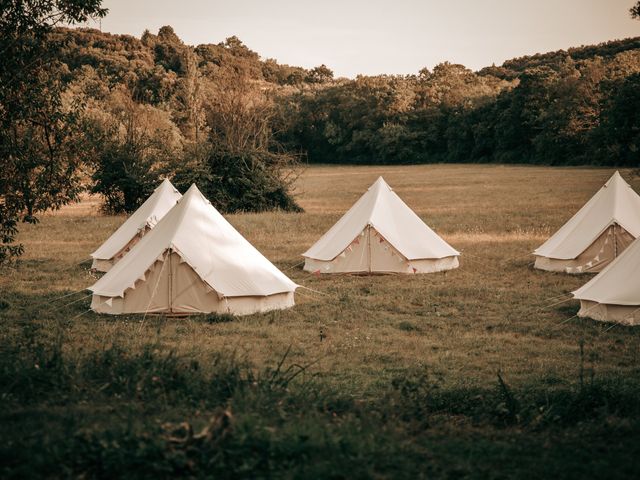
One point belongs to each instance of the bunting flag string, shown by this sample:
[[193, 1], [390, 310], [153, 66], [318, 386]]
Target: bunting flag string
[[586, 266]]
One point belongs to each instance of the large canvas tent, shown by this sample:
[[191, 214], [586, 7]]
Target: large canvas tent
[[193, 261], [601, 230], [614, 294], [380, 234], [137, 225]]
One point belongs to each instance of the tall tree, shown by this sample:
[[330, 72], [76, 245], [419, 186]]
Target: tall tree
[[132, 145], [244, 169], [37, 170]]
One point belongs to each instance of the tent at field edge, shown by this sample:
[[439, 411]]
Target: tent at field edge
[[600, 231], [193, 261], [614, 294], [163, 198], [380, 234]]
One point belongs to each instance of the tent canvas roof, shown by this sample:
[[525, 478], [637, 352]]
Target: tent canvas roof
[[385, 211], [215, 250], [163, 198], [618, 283], [615, 202]]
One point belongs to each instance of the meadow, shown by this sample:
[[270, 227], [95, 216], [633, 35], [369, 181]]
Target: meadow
[[479, 372]]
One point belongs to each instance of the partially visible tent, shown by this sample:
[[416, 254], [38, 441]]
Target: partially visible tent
[[598, 233], [193, 261], [614, 294], [163, 198], [380, 234]]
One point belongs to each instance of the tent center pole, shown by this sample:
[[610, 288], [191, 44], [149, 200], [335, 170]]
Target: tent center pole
[[170, 282], [369, 246]]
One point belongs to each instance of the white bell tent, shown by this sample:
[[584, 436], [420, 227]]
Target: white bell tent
[[601, 230], [137, 225], [193, 261], [380, 234], [614, 294]]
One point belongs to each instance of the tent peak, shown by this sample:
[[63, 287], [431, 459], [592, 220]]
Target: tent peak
[[166, 184], [194, 192], [616, 178], [379, 184]]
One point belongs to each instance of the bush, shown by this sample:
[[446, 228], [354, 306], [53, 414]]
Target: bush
[[248, 182]]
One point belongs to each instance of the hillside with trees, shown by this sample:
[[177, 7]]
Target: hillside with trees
[[212, 107], [560, 108], [155, 107]]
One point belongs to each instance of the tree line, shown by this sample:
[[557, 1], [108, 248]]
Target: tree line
[[560, 108], [564, 108]]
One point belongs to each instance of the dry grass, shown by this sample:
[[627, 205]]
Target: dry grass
[[462, 325]]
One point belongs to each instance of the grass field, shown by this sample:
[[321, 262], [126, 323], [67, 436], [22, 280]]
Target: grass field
[[471, 373]]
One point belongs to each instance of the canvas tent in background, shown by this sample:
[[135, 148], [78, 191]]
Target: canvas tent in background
[[380, 234], [193, 261], [601, 230], [137, 225], [614, 294]]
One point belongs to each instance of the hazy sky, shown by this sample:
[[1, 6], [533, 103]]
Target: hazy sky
[[375, 36]]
